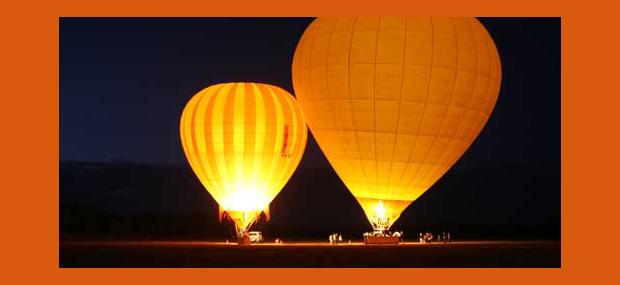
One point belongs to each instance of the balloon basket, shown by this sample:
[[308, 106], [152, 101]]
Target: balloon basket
[[244, 240], [381, 240]]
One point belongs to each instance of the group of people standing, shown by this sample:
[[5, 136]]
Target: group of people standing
[[335, 238], [427, 237]]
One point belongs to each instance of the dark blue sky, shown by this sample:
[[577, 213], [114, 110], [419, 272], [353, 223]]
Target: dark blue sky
[[124, 83]]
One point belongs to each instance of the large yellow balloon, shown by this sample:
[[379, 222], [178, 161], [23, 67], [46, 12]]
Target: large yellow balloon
[[394, 102], [243, 141]]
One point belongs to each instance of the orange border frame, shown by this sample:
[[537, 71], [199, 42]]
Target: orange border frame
[[30, 140]]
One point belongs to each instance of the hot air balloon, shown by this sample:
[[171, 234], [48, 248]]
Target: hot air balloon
[[243, 141], [394, 102]]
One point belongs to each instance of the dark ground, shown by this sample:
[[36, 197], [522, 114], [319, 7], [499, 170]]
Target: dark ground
[[211, 254]]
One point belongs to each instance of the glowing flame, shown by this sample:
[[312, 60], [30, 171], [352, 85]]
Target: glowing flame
[[380, 211], [246, 200], [244, 205]]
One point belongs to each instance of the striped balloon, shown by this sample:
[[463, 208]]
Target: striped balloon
[[243, 141]]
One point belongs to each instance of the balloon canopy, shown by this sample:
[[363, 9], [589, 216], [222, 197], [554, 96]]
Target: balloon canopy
[[243, 141], [394, 102]]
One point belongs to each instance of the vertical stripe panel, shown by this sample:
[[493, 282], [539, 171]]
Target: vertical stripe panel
[[195, 137], [208, 161], [186, 126], [259, 139], [289, 119], [238, 130], [229, 151], [217, 126], [279, 121], [268, 137], [276, 130], [249, 128]]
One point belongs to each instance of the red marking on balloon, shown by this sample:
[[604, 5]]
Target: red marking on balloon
[[285, 141]]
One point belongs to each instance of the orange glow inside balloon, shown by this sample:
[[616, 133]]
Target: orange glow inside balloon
[[394, 102]]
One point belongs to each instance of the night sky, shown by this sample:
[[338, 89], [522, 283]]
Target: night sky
[[124, 83]]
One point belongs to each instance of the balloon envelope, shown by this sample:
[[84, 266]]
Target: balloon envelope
[[394, 102], [243, 141]]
